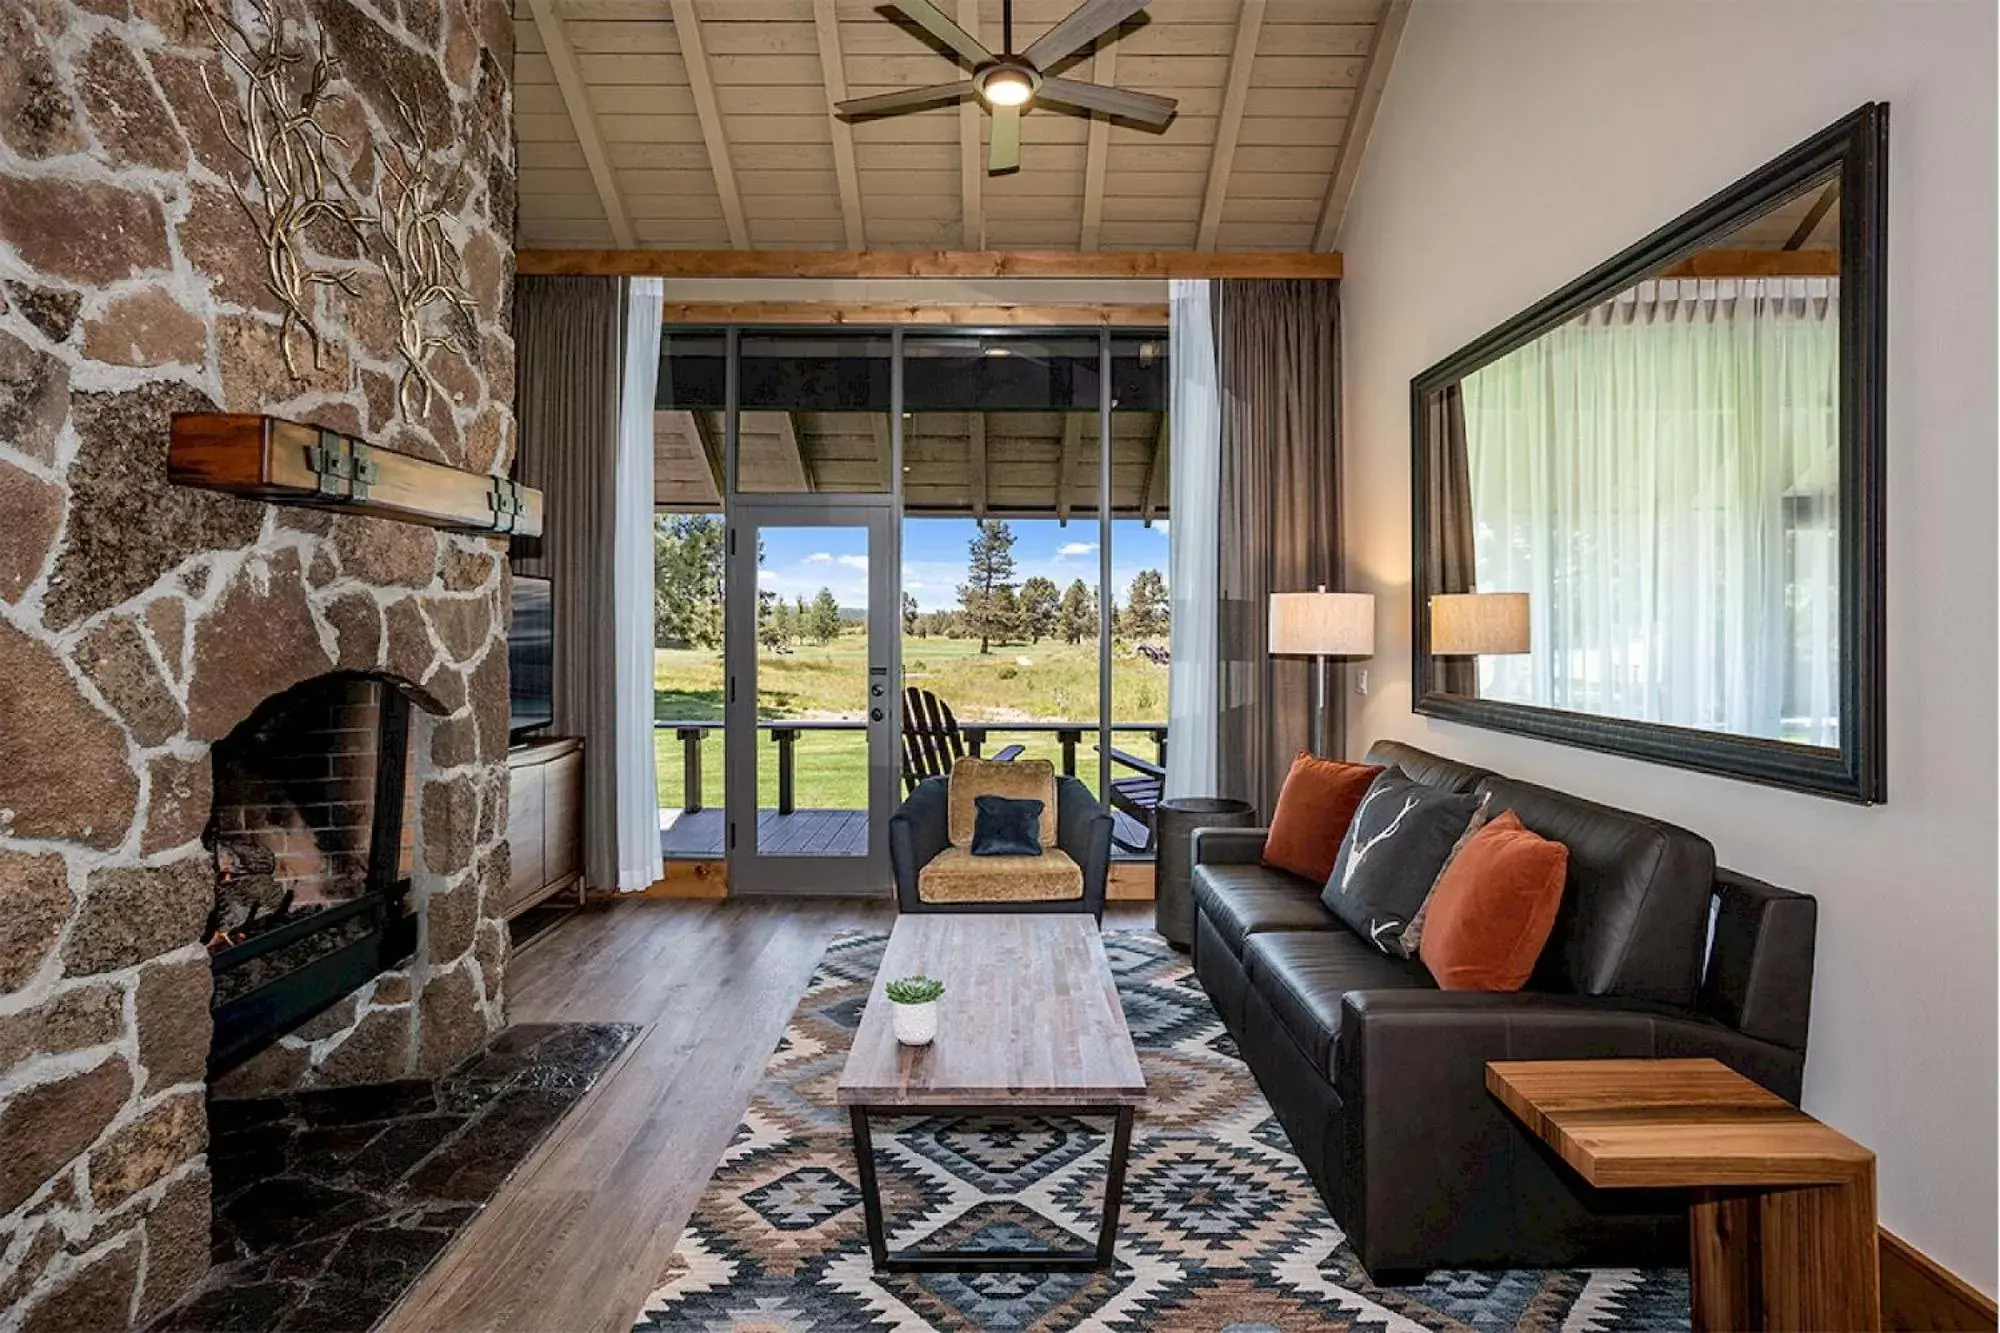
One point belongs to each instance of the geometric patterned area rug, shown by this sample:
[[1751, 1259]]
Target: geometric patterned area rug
[[1221, 1227]]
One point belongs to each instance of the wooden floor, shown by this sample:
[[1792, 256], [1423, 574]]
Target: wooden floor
[[583, 1231]]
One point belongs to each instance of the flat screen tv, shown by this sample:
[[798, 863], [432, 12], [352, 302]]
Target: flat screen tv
[[530, 658]]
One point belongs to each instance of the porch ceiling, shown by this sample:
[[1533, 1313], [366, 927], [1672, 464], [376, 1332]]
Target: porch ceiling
[[962, 463]]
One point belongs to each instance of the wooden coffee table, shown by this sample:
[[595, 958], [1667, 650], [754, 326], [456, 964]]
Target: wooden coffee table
[[1781, 1224], [1029, 1026]]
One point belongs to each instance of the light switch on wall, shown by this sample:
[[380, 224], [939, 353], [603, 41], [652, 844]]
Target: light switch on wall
[[1361, 681]]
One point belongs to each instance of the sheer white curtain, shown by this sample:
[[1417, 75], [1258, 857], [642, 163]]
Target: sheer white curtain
[[638, 786], [1193, 496], [1661, 476]]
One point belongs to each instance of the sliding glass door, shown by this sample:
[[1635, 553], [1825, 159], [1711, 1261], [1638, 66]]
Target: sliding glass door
[[979, 516]]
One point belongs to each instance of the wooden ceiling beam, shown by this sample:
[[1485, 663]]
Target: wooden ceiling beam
[[1136, 315], [694, 55], [693, 428], [1814, 216], [826, 23], [975, 429], [665, 263], [1154, 494], [1360, 121], [878, 426], [1222, 159], [1104, 70], [1072, 447], [794, 441], [576, 100], [972, 158], [1722, 263]]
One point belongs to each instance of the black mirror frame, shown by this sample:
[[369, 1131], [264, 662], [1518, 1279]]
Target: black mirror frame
[[1859, 146]]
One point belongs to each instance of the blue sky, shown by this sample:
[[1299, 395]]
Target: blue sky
[[798, 562]]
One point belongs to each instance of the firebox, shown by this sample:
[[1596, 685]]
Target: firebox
[[312, 858]]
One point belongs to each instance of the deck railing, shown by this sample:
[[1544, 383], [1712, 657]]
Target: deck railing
[[785, 734]]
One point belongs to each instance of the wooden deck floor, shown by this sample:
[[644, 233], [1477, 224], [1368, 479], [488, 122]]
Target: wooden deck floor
[[699, 836], [582, 1232]]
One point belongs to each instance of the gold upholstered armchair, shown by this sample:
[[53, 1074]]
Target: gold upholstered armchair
[[930, 844]]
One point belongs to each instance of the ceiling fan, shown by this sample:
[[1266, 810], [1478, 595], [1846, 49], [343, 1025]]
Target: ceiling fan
[[1010, 83]]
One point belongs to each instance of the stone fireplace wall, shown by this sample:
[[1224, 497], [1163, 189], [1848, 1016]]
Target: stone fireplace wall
[[139, 623]]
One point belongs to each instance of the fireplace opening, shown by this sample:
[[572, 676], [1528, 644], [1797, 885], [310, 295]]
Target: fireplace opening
[[310, 834]]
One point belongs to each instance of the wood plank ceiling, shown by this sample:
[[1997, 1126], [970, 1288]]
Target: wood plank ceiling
[[707, 124], [956, 464]]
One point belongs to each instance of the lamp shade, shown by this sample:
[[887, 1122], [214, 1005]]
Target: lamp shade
[[1469, 624], [1323, 624]]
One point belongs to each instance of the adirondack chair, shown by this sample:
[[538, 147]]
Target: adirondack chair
[[1136, 797], [932, 740]]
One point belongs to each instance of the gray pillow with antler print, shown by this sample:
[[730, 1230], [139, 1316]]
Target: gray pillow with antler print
[[1401, 836]]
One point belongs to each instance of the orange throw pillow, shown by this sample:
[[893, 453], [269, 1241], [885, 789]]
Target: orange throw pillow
[[1493, 907], [1315, 806]]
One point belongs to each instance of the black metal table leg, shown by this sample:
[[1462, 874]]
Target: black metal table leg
[[913, 1260], [1114, 1187], [871, 1192]]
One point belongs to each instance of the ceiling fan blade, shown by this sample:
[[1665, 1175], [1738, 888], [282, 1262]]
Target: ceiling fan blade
[[1120, 102], [1084, 25], [907, 99], [939, 25], [1005, 154]]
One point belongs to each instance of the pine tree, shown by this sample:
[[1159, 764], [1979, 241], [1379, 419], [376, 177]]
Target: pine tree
[[770, 633], [687, 581], [1039, 601], [989, 568], [1003, 614], [1145, 615], [912, 622], [1076, 619], [824, 618]]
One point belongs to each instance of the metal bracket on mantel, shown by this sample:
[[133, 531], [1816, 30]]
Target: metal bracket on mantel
[[507, 503], [346, 468]]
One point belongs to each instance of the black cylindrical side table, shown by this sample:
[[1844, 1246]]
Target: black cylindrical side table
[[1174, 823]]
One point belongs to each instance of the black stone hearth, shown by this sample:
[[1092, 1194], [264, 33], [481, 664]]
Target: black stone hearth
[[329, 1204]]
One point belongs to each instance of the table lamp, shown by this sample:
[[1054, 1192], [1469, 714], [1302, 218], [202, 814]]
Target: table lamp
[[1479, 624]]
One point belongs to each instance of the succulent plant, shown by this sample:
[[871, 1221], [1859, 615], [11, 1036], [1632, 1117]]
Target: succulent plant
[[915, 990]]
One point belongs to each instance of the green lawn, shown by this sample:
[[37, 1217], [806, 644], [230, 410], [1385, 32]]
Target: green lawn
[[1049, 681]]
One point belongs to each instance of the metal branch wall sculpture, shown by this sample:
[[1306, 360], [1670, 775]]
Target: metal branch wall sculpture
[[420, 262], [275, 126]]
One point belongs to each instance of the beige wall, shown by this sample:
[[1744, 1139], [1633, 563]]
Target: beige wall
[[1520, 144]]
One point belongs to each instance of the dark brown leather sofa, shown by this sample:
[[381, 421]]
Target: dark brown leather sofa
[[1378, 1077]]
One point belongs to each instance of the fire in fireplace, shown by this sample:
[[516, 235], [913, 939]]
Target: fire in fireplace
[[312, 859]]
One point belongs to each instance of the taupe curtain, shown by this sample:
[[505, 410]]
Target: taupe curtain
[[569, 352], [1447, 519], [1278, 351]]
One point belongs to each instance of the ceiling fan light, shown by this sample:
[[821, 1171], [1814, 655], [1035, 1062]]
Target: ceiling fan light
[[1007, 87]]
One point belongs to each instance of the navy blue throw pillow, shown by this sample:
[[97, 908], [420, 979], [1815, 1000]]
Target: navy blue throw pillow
[[1004, 826]]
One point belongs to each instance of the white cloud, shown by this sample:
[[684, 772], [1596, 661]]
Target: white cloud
[[767, 577], [818, 558], [1068, 549], [859, 562]]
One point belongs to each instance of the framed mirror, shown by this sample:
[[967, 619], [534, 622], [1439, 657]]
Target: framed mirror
[[1648, 511]]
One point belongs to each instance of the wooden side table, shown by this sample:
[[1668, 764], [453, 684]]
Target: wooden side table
[[1781, 1226]]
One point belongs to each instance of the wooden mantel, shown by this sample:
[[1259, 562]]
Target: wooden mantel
[[286, 462]]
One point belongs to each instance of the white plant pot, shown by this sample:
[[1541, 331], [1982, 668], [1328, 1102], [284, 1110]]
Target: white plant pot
[[915, 1024]]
